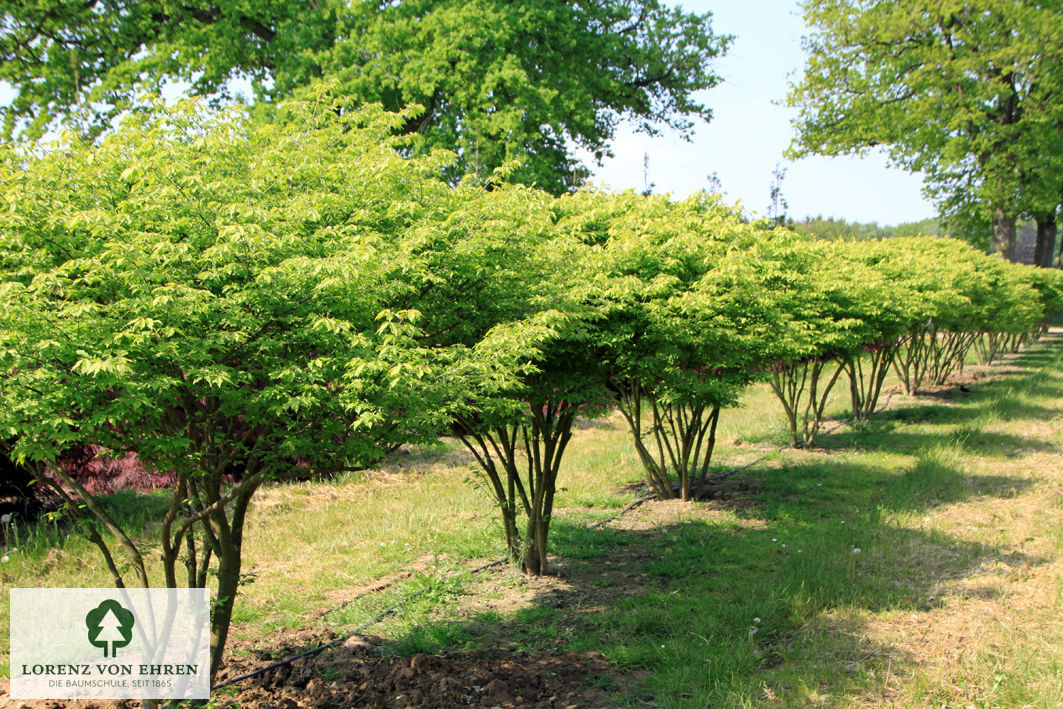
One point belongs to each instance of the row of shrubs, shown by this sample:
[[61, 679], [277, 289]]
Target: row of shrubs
[[236, 302]]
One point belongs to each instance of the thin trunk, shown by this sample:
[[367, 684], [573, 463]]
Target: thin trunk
[[854, 368], [785, 385], [880, 364], [630, 403], [229, 534], [123, 539], [818, 401], [798, 383], [540, 442], [684, 436], [710, 446], [228, 583], [1057, 260]]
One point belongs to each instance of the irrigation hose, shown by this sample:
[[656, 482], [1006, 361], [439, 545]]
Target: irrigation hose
[[333, 643]]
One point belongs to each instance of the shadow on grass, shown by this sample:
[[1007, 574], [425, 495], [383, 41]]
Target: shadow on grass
[[137, 513], [716, 610], [1013, 397], [1004, 399], [701, 607], [829, 487], [967, 440]]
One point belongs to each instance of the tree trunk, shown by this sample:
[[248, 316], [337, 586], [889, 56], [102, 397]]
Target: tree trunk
[[1046, 239], [865, 383], [228, 540], [682, 434], [1004, 234], [228, 583], [534, 562], [1059, 257], [539, 441], [514, 545]]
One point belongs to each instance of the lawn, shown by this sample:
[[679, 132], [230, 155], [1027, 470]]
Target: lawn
[[916, 560]]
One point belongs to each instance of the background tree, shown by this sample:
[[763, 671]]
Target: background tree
[[85, 62], [952, 296], [952, 90], [713, 184], [1044, 184], [778, 205], [833, 229], [498, 79]]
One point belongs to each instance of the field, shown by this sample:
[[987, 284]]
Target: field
[[916, 560]]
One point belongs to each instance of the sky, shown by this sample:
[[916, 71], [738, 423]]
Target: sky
[[751, 129]]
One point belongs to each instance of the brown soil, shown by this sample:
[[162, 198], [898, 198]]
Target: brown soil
[[355, 673]]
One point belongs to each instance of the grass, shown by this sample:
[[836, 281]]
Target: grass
[[915, 560]]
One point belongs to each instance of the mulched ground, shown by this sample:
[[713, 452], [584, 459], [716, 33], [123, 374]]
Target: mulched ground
[[355, 673]]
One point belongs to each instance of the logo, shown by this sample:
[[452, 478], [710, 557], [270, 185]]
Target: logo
[[107, 643], [110, 624]]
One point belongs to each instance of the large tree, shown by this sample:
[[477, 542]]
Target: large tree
[[498, 79], [962, 91]]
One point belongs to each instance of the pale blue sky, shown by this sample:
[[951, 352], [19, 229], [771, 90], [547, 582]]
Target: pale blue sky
[[750, 131], [748, 134]]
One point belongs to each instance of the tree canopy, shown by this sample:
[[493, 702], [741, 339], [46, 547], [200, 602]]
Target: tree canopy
[[498, 80], [239, 301], [223, 298], [965, 92]]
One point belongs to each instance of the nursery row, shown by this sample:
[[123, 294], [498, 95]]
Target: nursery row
[[236, 303]]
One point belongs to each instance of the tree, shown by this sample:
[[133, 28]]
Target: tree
[[508, 299], [713, 183], [778, 205], [879, 308], [672, 358], [951, 297], [499, 80], [1045, 185], [85, 62], [803, 321], [957, 91], [518, 427], [224, 300], [1049, 287]]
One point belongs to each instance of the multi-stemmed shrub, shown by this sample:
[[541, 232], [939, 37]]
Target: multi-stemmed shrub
[[671, 359], [504, 301], [220, 298]]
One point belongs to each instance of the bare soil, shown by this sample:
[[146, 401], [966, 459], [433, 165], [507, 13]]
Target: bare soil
[[355, 673]]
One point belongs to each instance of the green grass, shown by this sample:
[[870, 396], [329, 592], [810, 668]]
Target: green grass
[[757, 598]]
